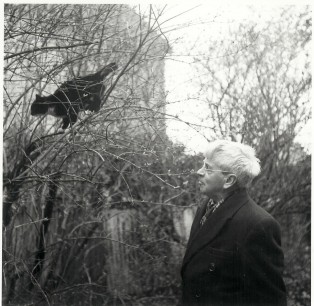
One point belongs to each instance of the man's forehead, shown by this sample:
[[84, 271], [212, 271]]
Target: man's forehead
[[209, 161]]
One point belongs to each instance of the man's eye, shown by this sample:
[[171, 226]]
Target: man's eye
[[207, 167]]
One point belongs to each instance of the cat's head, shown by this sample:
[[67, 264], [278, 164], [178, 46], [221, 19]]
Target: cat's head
[[39, 106]]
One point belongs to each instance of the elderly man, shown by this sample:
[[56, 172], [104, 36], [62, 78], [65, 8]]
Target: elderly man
[[233, 255]]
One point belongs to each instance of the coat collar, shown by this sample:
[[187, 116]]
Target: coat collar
[[202, 235]]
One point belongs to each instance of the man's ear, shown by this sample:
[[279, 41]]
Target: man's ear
[[231, 179]]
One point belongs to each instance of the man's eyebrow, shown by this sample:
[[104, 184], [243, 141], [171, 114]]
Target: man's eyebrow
[[207, 164]]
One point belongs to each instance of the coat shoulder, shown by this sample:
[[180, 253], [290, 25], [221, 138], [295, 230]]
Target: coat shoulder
[[254, 212], [251, 217]]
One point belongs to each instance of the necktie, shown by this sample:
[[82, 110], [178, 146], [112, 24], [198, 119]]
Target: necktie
[[210, 208]]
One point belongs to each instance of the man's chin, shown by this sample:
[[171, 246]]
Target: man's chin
[[202, 190]]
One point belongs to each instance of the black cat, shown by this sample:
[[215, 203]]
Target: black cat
[[82, 93]]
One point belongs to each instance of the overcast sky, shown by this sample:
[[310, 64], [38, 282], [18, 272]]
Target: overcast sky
[[204, 21]]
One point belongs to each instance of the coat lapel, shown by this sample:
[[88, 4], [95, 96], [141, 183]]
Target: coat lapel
[[203, 235], [196, 222]]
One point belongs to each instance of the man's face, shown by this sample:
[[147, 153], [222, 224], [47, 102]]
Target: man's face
[[211, 179]]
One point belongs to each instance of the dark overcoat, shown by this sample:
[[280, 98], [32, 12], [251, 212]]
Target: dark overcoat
[[235, 258]]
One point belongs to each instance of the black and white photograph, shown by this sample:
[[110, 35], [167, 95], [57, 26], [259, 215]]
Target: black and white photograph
[[156, 154]]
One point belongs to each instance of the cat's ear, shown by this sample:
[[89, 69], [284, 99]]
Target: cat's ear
[[38, 97]]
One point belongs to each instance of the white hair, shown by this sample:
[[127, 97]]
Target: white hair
[[235, 157]]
